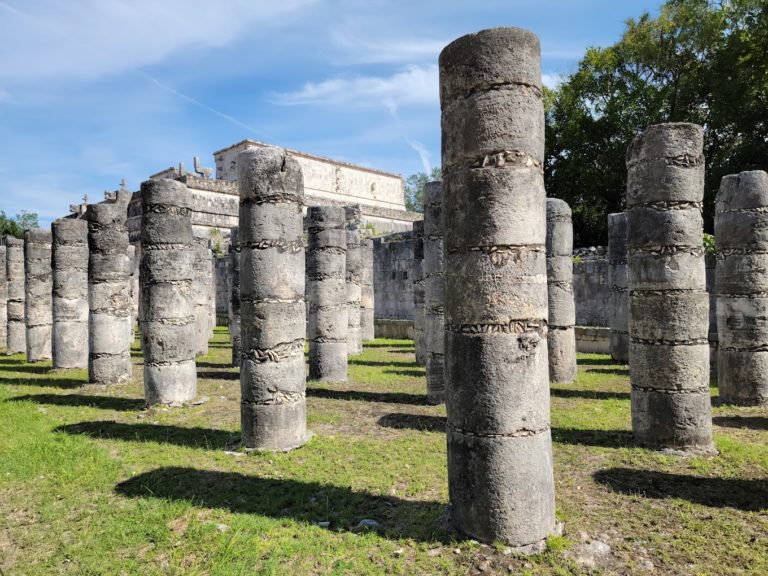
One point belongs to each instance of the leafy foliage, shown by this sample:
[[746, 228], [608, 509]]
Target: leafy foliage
[[414, 188], [15, 226]]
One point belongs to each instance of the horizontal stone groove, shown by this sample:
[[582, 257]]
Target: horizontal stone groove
[[97, 355], [483, 87], [114, 312], [328, 250], [276, 353], [434, 310], [153, 282], [561, 327], [278, 398], [326, 276], [614, 331], [328, 307], [185, 321], [81, 269], [682, 160], [618, 262], [168, 362], [284, 245], [621, 290], [754, 210], [758, 348], [523, 432], [665, 292], [328, 340], [58, 241], [511, 327], [245, 298], [665, 342], [433, 237], [166, 246], [497, 159], [566, 286], [700, 390], [746, 295], [272, 199], [697, 251], [725, 253], [668, 205], [164, 209]]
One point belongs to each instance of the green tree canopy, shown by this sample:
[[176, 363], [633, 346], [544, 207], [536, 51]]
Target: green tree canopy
[[414, 188], [15, 226]]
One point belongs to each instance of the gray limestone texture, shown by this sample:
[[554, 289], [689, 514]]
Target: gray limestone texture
[[561, 336], [109, 302], [500, 477], [167, 318], [70, 293], [418, 293], [3, 298], [17, 330], [434, 289], [741, 230], [618, 280], [202, 280], [272, 280], [327, 293], [38, 299], [354, 268], [133, 294], [668, 301], [234, 295], [367, 323]]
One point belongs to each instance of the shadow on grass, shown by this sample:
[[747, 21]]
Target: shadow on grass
[[614, 371], [403, 351], [358, 362], [23, 367], [308, 502], [415, 372], [102, 402], [605, 361], [365, 396], [207, 364], [736, 493], [206, 438], [213, 375], [392, 345], [751, 422], [588, 394], [219, 345], [64, 383]]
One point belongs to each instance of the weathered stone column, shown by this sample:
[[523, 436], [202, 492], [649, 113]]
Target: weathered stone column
[[135, 288], [200, 293], [741, 230], [668, 302], [70, 293], [367, 324], [354, 279], [272, 381], [618, 279], [500, 477], [38, 287], [561, 336], [417, 273], [109, 352], [17, 329], [432, 267], [168, 335], [234, 297], [132, 294], [327, 293], [3, 297]]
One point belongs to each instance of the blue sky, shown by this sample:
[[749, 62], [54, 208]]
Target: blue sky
[[92, 91]]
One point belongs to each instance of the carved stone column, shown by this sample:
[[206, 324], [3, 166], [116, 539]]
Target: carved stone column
[[234, 296], [417, 273], [17, 329], [354, 279], [38, 293], [618, 278], [434, 331], [367, 323]]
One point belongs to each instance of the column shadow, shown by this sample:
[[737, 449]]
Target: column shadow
[[206, 438], [102, 402], [366, 396], [751, 422], [588, 394], [63, 383]]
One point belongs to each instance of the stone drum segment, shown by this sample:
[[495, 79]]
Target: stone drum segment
[[38, 293], [273, 407], [434, 282], [741, 230], [109, 301], [17, 330], [201, 281], [3, 297], [367, 323], [167, 317], [618, 280], [354, 279], [417, 273], [561, 336], [668, 301], [70, 293], [327, 293], [500, 476], [234, 295]]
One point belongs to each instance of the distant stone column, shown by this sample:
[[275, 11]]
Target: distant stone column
[[668, 302], [417, 273], [17, 329], [500, 477], [367, 324], [38, 293], [109, 352], [327, 293], [234, 296], [3, 298], [135, 289], [618, 279], [741, 231], [132, 293], [432, 267], [70, 293], [354, 279], [200, 293], [211, 293], [273, 409], [168, 335]]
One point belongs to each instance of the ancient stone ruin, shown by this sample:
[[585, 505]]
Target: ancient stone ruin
[[38, 299], [367, 323], [432, 267], [618, 280], [418, 293], [354, 279], [17, 330], [234, 297], [202, 278], [3, 298]]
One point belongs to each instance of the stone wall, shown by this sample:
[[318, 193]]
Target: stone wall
[[591, 290], [393, 285]]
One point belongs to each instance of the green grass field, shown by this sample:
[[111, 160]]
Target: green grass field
[[91, 483]]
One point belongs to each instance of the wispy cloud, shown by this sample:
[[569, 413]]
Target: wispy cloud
[[393, 50]]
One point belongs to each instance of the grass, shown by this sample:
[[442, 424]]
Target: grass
[[91, 483]]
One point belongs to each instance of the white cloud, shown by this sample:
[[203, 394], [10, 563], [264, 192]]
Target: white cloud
[[552, 80], [359, 50], [5, 96]]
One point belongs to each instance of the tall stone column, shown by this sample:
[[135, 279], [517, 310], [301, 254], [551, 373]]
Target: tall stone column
[[109, 267], [741, 230], [434, 283], [327, 293], [367, 323], [168, 335], [668, 302], [200, 288], [618, 279], [132, 294], [354, 279], [17, 329], [38, 280], [273, 409], [234, 296], [417, 273], [3, 298], [135, 289], [70, 293], [500, 477]]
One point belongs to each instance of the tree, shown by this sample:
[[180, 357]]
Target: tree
[[414, 188], [15, 226]]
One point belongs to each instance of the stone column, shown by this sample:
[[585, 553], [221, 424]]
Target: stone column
[[168, 335], [367, 324], [70, 293], [109, 352], [234, 298], [668, 302], [417, 273], [17, 329], [327, 293], [132, 294], [618, 279], [135, 288], [3, 297], [500, 477], [273, 409], [38, 285], [354, 279], [200, 293], [741, 230], [432, 267]]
